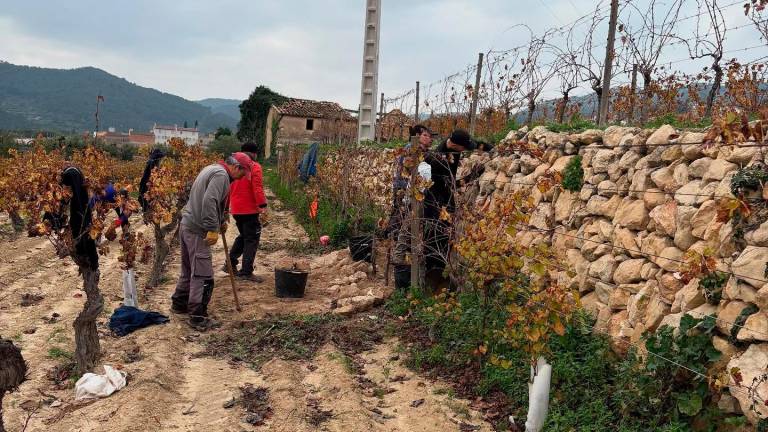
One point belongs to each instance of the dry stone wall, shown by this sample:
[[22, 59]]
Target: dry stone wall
[[649, 196]]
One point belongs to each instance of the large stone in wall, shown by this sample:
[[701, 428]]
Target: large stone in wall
[[602, 160], [755, 328], [604, 291], [728, 316], [529, 163], [641, 181], [723, 189], [669, 286], [600, 206], [628, 160], [626, 240], [726, 245], [683, 236], [739, 155], [607, 188], [652, 159], [603, 268], [688, 298], [620, 297], [704, 216], [649, 271], [681, 175], [665, 217], [561, 163], [631, 214], [654, 197], [737, 290], [654, 244], [700, 167], [664, 179], [564, 205], [758, 237], [751, 265], [670, 259], [616, 330], [672, 153], [589, 136], [662, 135], [542, 216], [637, 305], [761, 298], [695, 193], [695, 150], [751, 366], [591, 304], [718, 169], [628, 271], [614, 135], [656, 311]]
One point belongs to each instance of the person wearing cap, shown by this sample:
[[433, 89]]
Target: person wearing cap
[[443, 163], [204, 215], [400, 182], [246, 203]]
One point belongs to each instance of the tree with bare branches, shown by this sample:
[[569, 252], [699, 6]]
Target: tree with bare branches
[[568, 70], [755, 10], [645, 34], [535, 74], [708, 42]]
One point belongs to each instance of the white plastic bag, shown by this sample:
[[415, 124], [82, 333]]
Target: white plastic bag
[[538, 396], [130, 296], [425, 171], [93, 386]]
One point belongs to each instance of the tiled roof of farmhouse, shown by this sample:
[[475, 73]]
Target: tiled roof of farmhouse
[[309, 108]]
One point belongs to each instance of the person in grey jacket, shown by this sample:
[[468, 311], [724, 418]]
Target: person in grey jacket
[[201, 220]]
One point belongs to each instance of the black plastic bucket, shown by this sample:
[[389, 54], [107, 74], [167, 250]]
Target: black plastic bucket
[[290, 283], [402, 276], [361, 248]]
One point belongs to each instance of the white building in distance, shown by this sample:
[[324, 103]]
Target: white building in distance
[[162, 134]]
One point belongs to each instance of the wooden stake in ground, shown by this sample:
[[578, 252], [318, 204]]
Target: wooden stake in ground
[[231, 271]]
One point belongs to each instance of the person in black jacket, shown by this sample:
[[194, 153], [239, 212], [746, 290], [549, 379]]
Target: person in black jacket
[[439, 201], [153, 162]]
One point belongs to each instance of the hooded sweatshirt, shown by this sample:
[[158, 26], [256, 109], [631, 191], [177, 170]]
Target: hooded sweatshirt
[[206, 208]]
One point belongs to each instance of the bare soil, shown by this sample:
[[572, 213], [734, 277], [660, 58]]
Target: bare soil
[[347, 383]]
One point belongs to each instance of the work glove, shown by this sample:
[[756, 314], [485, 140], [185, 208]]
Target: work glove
[[264, 218], [211, 238]]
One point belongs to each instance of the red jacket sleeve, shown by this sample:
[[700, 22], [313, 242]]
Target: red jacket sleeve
[[257, 184]]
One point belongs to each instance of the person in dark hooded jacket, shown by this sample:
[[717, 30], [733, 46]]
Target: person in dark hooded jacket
[[444, 163], [80, 217], [153, 162]]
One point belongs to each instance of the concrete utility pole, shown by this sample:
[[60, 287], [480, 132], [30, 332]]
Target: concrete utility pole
[[366, 118], [605, 97], [381, 118], [475, 95]]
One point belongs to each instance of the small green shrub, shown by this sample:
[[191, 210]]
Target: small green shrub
[[748, 179], [573, 177]]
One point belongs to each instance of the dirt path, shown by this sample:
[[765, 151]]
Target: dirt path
[[171, 388]]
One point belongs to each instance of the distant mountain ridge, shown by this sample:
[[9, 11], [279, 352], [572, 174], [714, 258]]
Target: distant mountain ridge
[[64, 100], [229, 107]]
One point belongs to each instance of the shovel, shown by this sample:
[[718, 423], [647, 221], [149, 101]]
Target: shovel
[[231, 272]]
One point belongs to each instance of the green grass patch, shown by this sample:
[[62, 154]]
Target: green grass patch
[[593, 389], [330, 218], [58, 354]]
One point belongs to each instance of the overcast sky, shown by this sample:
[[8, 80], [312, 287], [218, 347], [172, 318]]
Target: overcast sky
[[310, 49]]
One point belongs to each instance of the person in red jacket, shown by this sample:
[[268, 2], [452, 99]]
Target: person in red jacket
[[246, 202]]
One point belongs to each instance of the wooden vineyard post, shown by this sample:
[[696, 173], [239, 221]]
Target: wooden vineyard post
[[417, 211]]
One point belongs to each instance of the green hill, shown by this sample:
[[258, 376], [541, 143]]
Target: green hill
[[65, 100], [230, 107]]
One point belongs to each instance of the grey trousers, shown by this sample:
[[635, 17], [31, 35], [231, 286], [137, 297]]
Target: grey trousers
[[195, 286]]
